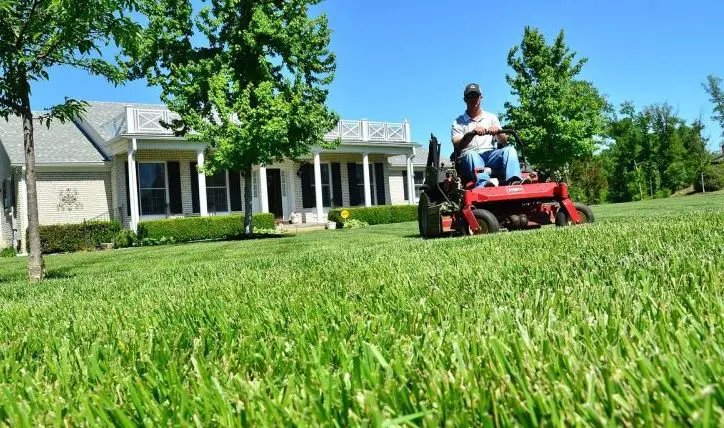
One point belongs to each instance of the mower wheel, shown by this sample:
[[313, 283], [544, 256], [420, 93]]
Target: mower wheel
[[584, 213], [487, 221]]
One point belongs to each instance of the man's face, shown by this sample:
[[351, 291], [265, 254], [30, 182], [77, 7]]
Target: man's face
[[473, 100]]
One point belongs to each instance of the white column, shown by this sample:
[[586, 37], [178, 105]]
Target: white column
[[318, 187], [23, 196], [410, 181], [366, 178], [365, 129], [408, 131], [133, 183], [292, 188], [203, 205], [263, 191]]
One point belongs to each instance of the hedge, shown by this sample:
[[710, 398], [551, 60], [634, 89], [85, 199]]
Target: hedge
[[61, 238], [376, 215], [199, 228], [713, 178]]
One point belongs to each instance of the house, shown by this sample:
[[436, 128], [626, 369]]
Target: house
[[119, 162]]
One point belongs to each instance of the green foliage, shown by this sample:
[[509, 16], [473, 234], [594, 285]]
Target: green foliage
[[588, 182], [8, 252], [256, 92], [713, 88], [61, 238], [124, 238], [353, 223], [653, 150], [713, 178], [557, 116], [199, 228], [378, 328], [376, 215]]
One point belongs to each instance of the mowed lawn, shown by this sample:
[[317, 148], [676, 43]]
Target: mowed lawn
[[619, 322]]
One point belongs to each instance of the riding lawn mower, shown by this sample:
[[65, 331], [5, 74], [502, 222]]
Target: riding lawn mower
[[451, 205]]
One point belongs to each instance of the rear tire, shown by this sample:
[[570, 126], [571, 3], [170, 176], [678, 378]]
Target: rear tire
[[487, 222], [584, 213]]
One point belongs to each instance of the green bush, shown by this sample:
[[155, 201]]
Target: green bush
[[61, 238], [125, 238], [376, 215], [353, 223], [713, 178], [8, 252], [199, 228]]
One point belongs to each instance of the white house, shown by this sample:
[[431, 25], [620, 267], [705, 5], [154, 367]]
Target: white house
[[118, 162]]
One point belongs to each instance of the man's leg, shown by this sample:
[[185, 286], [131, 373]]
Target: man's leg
[[505, 158], [468, 163]]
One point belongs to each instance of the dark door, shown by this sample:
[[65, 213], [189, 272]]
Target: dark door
[[274, 188]]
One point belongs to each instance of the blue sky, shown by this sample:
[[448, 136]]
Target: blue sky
[[411, 59]]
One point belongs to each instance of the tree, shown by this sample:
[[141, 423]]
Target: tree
[[557, 116], [255, 91], [713, 88], [36, 35]]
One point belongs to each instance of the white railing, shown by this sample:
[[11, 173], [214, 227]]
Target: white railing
[[148, 121], [364, 130]]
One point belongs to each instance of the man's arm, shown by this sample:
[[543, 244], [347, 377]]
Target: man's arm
[[462, 139]]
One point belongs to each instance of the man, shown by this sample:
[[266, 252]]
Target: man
[[475, 149]]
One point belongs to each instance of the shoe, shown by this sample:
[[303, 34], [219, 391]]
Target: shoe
[[490, 183], [517, 181]]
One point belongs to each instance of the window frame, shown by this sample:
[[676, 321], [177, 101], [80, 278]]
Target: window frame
[[165, 179], [373, 184], [328, 185]]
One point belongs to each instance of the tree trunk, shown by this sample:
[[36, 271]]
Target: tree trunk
[[36, 268], [247, 200]]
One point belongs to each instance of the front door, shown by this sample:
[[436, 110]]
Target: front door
[[274, 188]]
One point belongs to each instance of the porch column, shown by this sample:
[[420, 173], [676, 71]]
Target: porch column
[[263, 191], [203, 205], [410, 181], [366, 178], [318, 187], [133, 183]]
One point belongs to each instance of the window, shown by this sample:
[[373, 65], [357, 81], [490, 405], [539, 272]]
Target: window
[[216, 200], [326, 186], [361, 183], [419, 180], [152, 184]]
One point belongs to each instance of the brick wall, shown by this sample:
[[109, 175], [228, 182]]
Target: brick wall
[[71, 197]]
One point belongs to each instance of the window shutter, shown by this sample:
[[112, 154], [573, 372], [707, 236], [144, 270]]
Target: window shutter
[[354, 196], [404, 183], [380, 183], [195, 207], [174, 187], [337, 184], [307, 200], [235, 190]]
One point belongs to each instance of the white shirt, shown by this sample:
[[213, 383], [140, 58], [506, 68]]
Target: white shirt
[[480, 143]]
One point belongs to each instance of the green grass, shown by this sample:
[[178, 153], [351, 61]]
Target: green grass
[[615, 323]]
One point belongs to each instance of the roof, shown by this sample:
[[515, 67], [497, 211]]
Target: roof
[[61, 143], [103, 121], [419, 160]]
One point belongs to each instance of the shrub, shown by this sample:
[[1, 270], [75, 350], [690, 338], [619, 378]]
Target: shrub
[[376, 215], [125, 238], [59, 238], [354, 224], [199, 228], [8, 252], [713, 178]]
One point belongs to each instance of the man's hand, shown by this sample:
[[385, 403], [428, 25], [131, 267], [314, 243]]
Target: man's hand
[[480, 130]]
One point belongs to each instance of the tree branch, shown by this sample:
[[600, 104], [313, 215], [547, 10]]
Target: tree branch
[[26, 24], [10, 104]]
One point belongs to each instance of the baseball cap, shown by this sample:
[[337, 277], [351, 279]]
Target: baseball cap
[[472, 88]]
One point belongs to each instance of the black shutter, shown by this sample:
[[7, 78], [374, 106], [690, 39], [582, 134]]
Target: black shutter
[[337, 184], [307, 199], [354, 196], [174, 187], [195, 207], [235, 190], [128, 191], [380, 182], [404, 182]]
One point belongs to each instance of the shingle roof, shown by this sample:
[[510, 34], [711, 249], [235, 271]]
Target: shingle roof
[[104, 120], [62, 143], [420, 159]]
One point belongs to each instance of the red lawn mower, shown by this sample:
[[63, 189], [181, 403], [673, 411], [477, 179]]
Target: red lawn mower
[[451, 206]]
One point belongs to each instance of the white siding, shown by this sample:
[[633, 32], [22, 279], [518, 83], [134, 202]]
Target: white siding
[[71, 197]]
